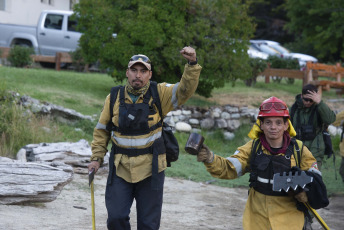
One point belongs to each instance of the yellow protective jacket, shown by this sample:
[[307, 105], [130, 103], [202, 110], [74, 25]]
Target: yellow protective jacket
[[340, 122], [263, 211], [135, 169]]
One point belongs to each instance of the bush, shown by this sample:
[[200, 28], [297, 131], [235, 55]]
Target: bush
[[19, 56], [77, 59], [283, 63], [258, 65]]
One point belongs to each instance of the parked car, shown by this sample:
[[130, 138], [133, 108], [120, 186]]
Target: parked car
[[55, 32], [254, 53], [275, 48]]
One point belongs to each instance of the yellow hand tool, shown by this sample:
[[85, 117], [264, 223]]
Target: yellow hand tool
[[90, 183], [317, 216]]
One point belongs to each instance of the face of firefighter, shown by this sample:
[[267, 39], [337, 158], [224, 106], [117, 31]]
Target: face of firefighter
[[138, 75], [273, 128]]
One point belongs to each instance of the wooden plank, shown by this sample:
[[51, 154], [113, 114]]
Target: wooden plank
[[4, 52], [325, 83], [322, 73], [324, 67], [289, 73], [42, 58], [66, 58]]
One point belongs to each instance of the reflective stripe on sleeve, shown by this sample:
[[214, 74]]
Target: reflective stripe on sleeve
[[130, 142], [174, 96], [100, 126], [313, 170], [237, 165]]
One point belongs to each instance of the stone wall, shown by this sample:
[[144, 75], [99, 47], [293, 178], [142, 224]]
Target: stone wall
[[228, 118], [183, 119]]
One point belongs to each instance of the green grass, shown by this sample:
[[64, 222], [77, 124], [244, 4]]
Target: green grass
[[86, 92], [82, 92]]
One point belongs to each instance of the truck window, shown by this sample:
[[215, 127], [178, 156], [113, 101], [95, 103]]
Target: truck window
[[53, 21], [72, 24]]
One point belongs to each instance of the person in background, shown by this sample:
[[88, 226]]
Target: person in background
[[310, 116], [138, 160], [271, 150], [340, 122]]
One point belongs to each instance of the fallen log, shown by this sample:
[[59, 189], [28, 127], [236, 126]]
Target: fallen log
[[26, 182]]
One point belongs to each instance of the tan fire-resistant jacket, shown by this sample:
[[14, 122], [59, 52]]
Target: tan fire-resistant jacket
[[135, 169], [263, 212], [339, 122]]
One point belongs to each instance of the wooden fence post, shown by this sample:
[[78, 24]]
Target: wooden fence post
[[267, 76], [58, 61], [338, 75]]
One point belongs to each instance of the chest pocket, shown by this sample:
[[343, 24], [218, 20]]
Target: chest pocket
[[133, 118], [261, 161]]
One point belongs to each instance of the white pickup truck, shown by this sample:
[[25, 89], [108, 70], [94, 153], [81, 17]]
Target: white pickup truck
[[55, 32]]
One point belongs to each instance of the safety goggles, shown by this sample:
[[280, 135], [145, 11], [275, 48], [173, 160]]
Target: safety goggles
[[307, 99], [277, 105], [140, 58]]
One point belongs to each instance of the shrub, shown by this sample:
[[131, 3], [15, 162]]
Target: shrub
[[283, 63], [258, 65], [77, 60], [19, 56]]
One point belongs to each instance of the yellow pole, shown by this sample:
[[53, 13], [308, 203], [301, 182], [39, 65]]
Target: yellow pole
[[93, 212], [317, 216]]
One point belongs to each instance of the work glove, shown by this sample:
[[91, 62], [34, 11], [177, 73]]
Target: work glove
[[205, 155], [301, 197]]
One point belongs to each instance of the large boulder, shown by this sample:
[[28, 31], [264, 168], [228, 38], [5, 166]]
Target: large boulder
[[26, 182]]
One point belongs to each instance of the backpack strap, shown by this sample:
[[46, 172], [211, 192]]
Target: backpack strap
[[297, 151], [113, 98], [255, 147], [156, 99], [292, 111]]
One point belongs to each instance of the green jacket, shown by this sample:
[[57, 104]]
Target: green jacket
[[322, 118]]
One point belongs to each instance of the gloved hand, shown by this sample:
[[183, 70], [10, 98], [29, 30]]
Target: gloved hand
[[301, 197], [205, 155]]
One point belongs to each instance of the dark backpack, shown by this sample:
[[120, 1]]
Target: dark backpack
[[170, 141], [326, 136]]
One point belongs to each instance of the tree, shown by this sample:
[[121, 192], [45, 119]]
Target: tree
[[319, 23], [219, 30], [270, 17]]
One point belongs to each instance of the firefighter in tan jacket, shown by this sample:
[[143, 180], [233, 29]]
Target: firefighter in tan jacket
[[138, 160], [340, 122], [275, 153]]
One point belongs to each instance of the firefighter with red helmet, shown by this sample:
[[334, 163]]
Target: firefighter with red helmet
[[271, 150]]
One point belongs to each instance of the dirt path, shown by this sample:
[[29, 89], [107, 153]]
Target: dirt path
[[187, 206]]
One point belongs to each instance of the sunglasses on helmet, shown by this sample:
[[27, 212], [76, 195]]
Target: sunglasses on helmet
[[276, 105], [140, 58], [307, 99]]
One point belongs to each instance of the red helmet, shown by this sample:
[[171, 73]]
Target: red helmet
[[273, 107]]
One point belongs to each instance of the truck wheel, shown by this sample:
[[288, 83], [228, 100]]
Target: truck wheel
[[22, 43], [47, 65]]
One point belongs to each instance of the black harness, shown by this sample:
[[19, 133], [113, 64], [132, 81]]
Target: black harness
[[133, 121], [264, 166]]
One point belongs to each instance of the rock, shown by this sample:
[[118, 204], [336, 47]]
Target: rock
[[25, 182], [207, 123], [194, 121], [183, 127], [220, 123], [233, 124], [76, 154], [229, 136]]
